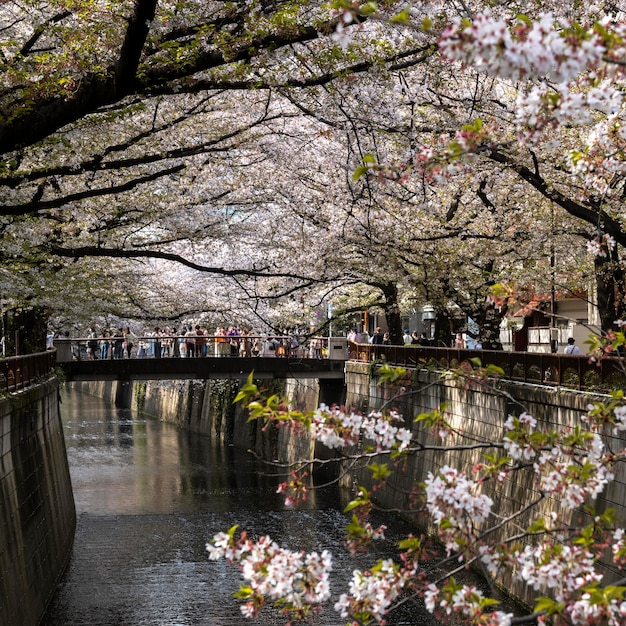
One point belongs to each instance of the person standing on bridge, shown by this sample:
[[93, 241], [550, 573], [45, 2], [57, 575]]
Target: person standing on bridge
[[571, 347], [156, 343], [222, 346], [190, 342], [92, 344], [175, 344], [377, 337], [256, 346], [245, 343], [200, 342], [104, 345], [128, 342], [232, 334]]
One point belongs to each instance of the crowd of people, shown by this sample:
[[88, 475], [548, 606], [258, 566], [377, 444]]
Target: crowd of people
[[224, 341], [197, 342], [232, 341], [383, 339]]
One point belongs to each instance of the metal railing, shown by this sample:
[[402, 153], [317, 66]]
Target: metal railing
[[572, 371], [17, 372], [76, 348]]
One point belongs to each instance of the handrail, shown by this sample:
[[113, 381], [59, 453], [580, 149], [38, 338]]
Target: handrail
[[572, 371], [17, 372], [110, 338], [70, 347]]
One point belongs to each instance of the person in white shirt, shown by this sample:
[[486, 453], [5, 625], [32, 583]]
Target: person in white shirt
[[571, 348]]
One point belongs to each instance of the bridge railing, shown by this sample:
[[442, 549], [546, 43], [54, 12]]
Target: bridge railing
[[573, 371], [17, 372]]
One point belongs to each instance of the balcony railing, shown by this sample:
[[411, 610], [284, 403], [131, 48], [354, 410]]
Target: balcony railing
[[573, 371], [17, 372]]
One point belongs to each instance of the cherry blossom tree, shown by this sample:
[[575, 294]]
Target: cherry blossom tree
[[162, 159], [139, 140], [557, 82]]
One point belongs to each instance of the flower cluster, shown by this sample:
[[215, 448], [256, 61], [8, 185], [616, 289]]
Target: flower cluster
[[573, 467], [561, 568], [579, 84], [295, 489], [346, 17], [587, 610], [516, 442], [453, 498], [336, 428], [601, 245], [295, 580], [520, 49], [372, 592], [618, 548], [466, 601]]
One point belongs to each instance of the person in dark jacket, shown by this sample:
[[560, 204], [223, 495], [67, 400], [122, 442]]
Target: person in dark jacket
[[377, 337]]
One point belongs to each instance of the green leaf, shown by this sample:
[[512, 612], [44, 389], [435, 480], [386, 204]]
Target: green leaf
[[244, 593], [380, 471], [249, 390], [549, 606], [401, 18], [359, 172]]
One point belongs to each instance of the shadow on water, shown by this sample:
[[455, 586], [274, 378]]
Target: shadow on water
[[149, 496]]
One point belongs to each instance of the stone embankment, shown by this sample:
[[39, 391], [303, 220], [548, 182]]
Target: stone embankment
[[37, 513], [479, 413]]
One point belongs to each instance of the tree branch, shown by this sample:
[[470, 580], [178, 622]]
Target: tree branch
[[36, 204], [117, 253], [593, 216]]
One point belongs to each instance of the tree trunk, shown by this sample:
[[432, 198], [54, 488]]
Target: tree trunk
[[488, 317], [25, 332], [443, 329], [392, 313], [610, 287]]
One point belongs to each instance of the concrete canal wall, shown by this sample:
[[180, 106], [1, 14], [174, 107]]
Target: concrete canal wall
[[207, 407], [479, 414], [37, 514]]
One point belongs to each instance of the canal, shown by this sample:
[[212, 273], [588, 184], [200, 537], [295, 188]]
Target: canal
[[149, 496]]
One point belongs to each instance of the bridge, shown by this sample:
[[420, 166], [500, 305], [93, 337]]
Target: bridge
[[202, 368], [77, 366]]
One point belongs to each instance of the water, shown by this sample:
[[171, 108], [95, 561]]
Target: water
[[148, 498]]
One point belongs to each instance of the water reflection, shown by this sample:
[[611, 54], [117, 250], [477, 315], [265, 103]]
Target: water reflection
[[148, 497]]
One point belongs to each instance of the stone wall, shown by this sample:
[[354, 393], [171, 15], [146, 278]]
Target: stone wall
[[480, 414], [206, 406], [37, 513]]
